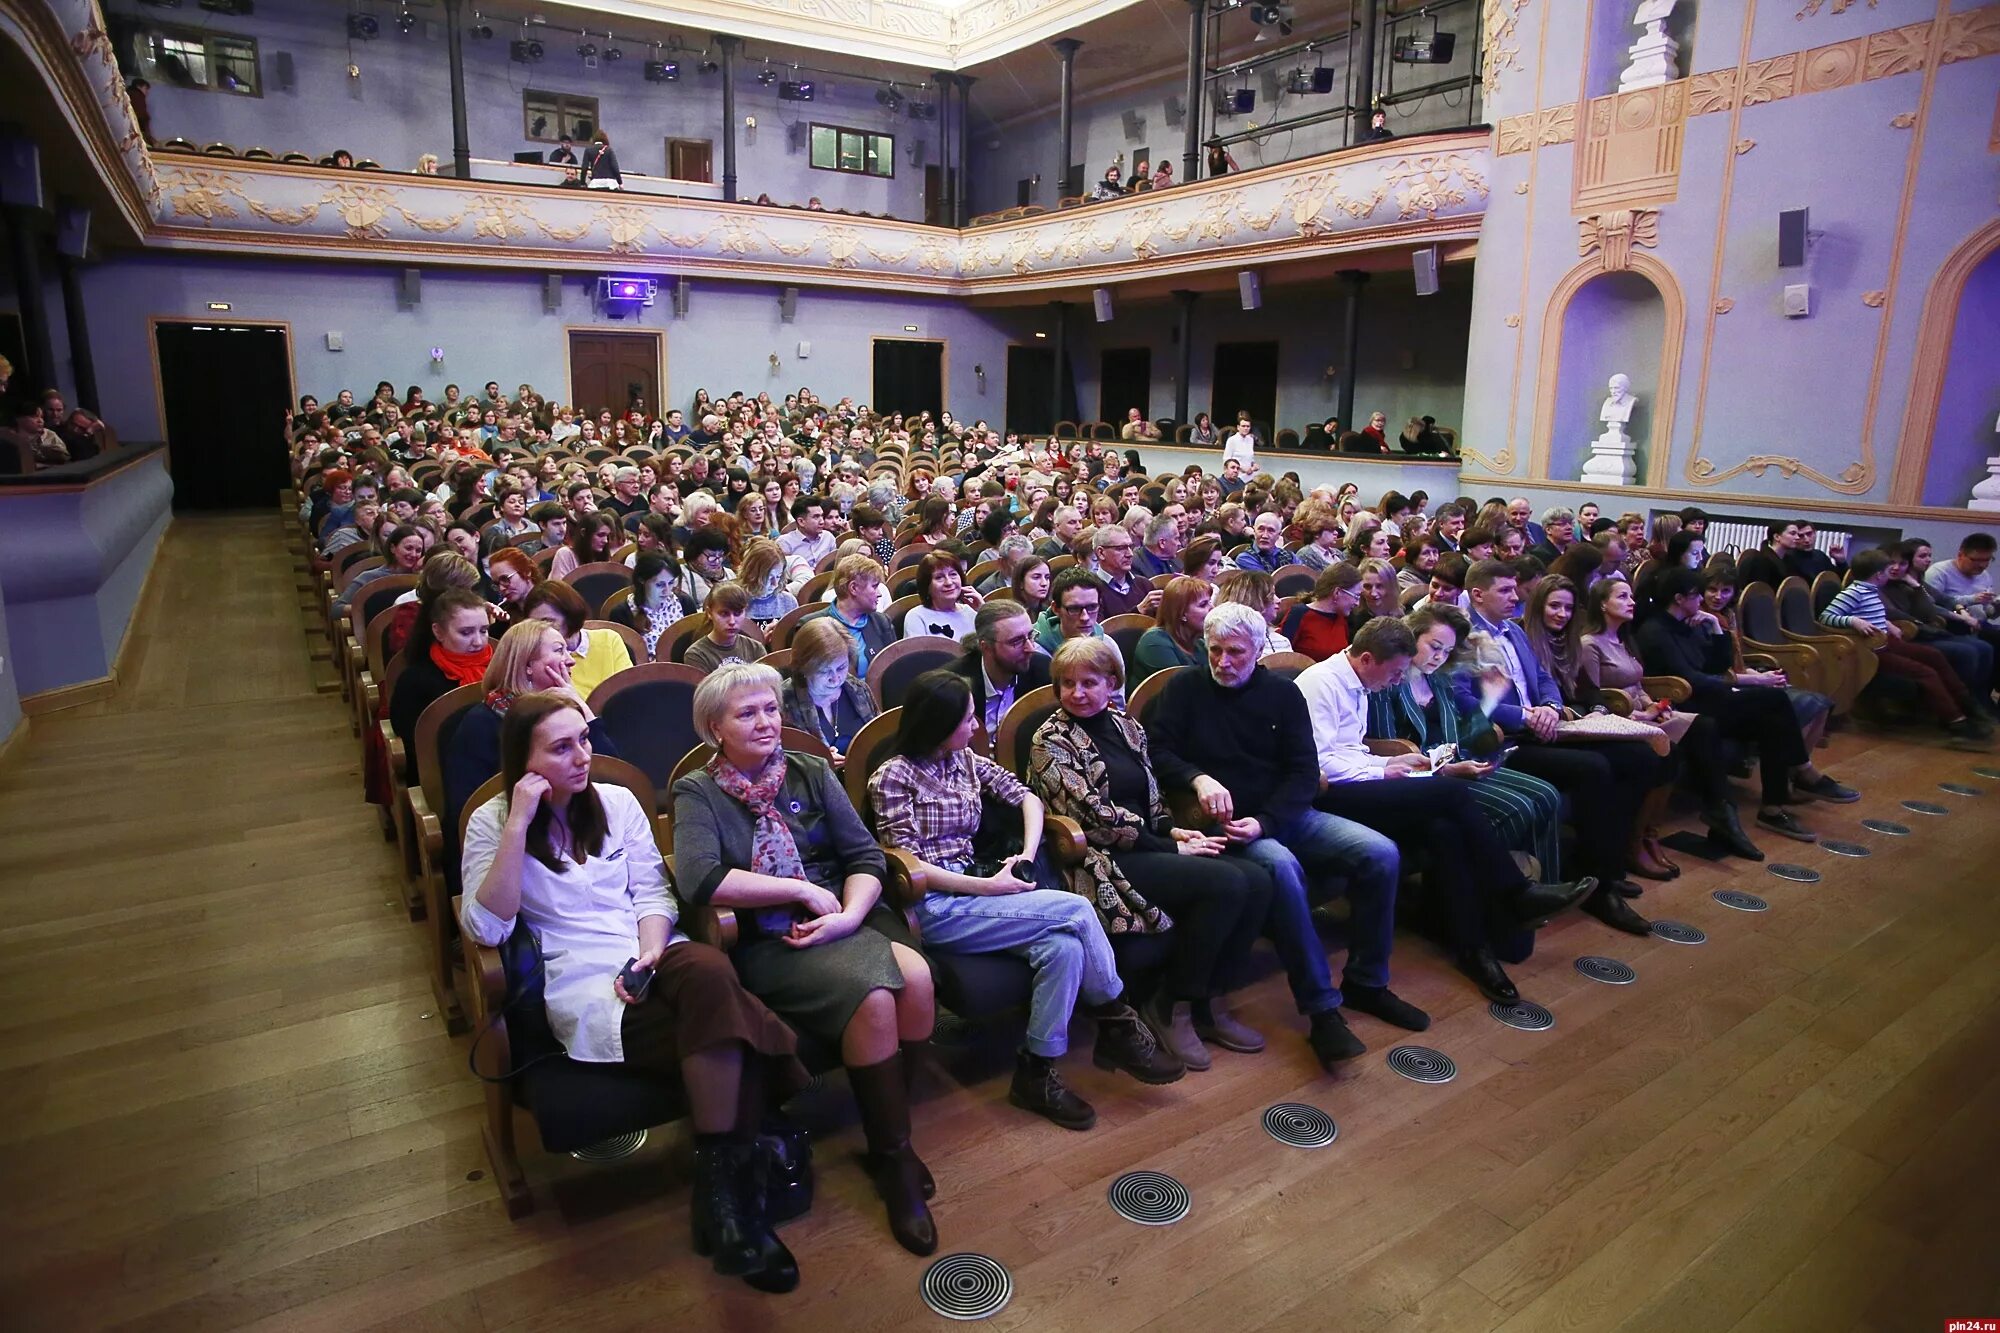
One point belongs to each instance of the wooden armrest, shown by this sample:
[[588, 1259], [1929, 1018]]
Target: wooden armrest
[[1674, 689], [907, 881], [483, 965], [399, 763], [430, 833], [1761, 662], [1064, 837], [1909, 628], [1391, 746], [1616, 702], [1184, 809], [710, 925], [371, 694]]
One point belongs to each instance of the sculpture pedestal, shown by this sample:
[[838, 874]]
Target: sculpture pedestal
[[1986, 495], [1655, 59], [1613, 459]]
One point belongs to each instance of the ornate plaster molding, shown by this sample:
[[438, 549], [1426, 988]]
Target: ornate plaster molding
[[1611, 235]]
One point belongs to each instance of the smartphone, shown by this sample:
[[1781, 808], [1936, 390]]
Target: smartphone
[[636, 980]]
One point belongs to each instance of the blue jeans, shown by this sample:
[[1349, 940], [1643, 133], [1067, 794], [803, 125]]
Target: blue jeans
[[1315, 845], [1057, 932]]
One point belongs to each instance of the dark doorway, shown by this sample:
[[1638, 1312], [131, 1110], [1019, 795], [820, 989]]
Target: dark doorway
[[1246, 380], [224, 389], [1031, 374], [934, 198], [909, 377], [614, 370], [1124, 381]]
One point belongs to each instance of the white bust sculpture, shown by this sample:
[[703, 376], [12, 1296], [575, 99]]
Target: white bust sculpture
[[1618, 407], [1613, 460], [1655, 57]]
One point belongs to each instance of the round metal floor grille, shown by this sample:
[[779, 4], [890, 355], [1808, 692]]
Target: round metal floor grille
[[1839, 848], [1961, 789], [1741, 901], [1927, 807], [1679, 932], [1798, 874], [1887, 827], [1149, 1198], [1523, 1016], [1422, 1064], [1607, 970], [1298, 1125], [610, 1150], [967, 1286], [1987, 771]]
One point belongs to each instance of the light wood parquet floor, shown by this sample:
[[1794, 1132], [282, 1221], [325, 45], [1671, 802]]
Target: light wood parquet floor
[[226, 1103]]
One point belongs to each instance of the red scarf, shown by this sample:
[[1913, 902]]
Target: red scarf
[[462, 668]]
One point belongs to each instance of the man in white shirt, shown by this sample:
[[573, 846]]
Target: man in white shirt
[[1480, 894], [1242, 446]]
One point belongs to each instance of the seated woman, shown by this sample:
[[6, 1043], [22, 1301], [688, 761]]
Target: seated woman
[[1030, 584], [592, 539], [1380, 593], [577, 863], [1253, 588], [857, 586], [1812, 709], [824, 694], [1089, 761], [596, 655], [1320, 524], [514, 576], [1323, 626], [773, 835], [727, 608], [530, 658], [405, 548], [929, 801], [762, 574], [653, 604], [450, 649], [442, 569], [1176, 640], [948, 607]]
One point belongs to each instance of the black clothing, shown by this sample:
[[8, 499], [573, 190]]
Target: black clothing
[[1257, 740]]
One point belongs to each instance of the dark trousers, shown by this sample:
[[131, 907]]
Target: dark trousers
[[1699, 754], [1219, 906], [1925, 667], [1605, 781], [1762, 716], [1971, 658], [1468, 867]]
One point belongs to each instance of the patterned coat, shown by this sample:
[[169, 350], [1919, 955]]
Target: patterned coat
[[1067, 772]]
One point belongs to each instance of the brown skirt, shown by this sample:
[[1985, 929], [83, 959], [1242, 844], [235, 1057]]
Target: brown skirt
[[696, 1002]]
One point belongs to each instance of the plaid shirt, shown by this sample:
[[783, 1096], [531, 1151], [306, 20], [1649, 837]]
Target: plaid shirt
[[931, 809]]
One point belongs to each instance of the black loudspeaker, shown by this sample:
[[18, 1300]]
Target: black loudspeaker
[[410, 289], [20, 171], [1322, 80], [1100, 300], [1249, 290], [551, 293], [920, 152], [680, 298], [1424, 264], [72, 231], [1135, 127], [1792, 238], [788, 304]]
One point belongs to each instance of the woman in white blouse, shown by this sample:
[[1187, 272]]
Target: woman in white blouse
[[577, 862]]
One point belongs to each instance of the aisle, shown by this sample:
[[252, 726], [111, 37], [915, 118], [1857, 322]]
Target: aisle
[[228, 1103]]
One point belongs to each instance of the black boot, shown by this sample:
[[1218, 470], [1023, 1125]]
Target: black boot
[[913, 1063], [777, 1271], [726, 1225], [1038, 1088], [883, 1096], [1125, 1042], [1485, 971], [787, 1155], [1725, 830]]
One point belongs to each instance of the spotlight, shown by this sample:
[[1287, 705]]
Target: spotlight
[[710, 66], [483, 31], [801, 91], [406, 22], [889, 97], [525, 52], [767, 76], [1433, 48], [363, 27], [1272, 14], [923, 111], [612, 51], [1298, 81], [1235, 101], [662, 71], [588, 50]]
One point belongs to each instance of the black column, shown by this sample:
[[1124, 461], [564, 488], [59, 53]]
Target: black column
[[461, 142], [24, 226], [1061, 340], [960, 193], [943, 80], [1186, 300], [1350, 355], [82, 367], [729, 45], [1197, 90], [1364, 74], [1065, 49]]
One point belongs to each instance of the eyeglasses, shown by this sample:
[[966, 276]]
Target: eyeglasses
[[1073, 609]]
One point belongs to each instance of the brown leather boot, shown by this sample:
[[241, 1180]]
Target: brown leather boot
[[882, 1093]]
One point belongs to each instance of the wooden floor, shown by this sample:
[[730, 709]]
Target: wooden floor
[[226, 1102]]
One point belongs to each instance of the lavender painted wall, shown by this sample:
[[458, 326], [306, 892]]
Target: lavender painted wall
[[1970, 406], [400, 107]]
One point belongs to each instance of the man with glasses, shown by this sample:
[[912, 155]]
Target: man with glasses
[[1122, 592], [1000, 665]]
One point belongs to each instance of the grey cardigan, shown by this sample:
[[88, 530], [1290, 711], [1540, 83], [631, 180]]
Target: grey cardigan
[[713, 830]]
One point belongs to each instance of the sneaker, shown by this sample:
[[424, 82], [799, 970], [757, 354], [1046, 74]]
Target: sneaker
[[1383, 1003], [1172, 1026], [1786, 823], [1224, 1030], [1824, 788], [1125, 1042], [1331, 1041], [1969, 733], [1039, 1088]]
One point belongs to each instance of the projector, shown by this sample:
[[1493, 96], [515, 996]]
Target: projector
[[1434, 49], [627, 291]]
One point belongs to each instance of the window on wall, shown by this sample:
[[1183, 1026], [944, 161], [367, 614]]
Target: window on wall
[[211, 61], [861, 152], [547, 117]]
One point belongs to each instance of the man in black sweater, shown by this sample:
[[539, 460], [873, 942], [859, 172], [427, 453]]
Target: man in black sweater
[[1239, 720]]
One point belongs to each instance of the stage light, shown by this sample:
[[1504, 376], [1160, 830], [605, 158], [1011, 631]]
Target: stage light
[[406, 22], [889, 97], [588, 50], [662, 71], [363, 27]]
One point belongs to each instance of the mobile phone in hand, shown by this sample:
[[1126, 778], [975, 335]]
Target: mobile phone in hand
[[636, 980]]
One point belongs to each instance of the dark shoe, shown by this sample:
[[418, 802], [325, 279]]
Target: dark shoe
[[1172, 1024], [788, 1171], [881, 1091], [1786, 823], [1039, 1088], [1966, 736], [777, 1271], [1725, 830], [1124, 1042], [1484, 969], [1223, 1029], [1610, 908], [1648, 862], [727, 1227], [1331, 1041], [1625, 888], [1383, 1003], [1537, 904], [780, 1271], [1824, 788], [1655, 852]]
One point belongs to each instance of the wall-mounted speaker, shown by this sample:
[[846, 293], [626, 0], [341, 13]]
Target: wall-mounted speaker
[[788, 304], [1424, 265], [20, 171], [1176, 113], [284, 73], [1135, 125], [551, 293], [1322, 79], [920, 152], [1792, 237], [680, 298], [1100, 300], [410, 288], [795, 135], [1250, 289], [72, 231]]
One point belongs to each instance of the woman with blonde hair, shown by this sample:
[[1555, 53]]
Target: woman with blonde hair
[[761, 571], [824, 694]]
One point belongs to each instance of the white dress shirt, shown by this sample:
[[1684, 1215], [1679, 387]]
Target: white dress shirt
[[1338, 705]]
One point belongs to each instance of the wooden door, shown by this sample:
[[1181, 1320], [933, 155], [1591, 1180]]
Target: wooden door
[[691, 160], [614, 370]]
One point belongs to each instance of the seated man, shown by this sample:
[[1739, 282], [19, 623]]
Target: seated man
[[1001, 665], [553, 520], [1267, 546], [728, 606], [1952, 633], [1964, 584], [1161, 553], [1606, 781], [1121, 592], [1240, 738], [1859, 606], [1479, 889]]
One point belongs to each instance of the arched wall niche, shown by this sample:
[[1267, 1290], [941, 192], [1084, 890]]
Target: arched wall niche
[[1599, 323], [1948, 427]]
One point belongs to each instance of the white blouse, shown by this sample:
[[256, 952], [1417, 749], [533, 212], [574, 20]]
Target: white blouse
[[587, 918]]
